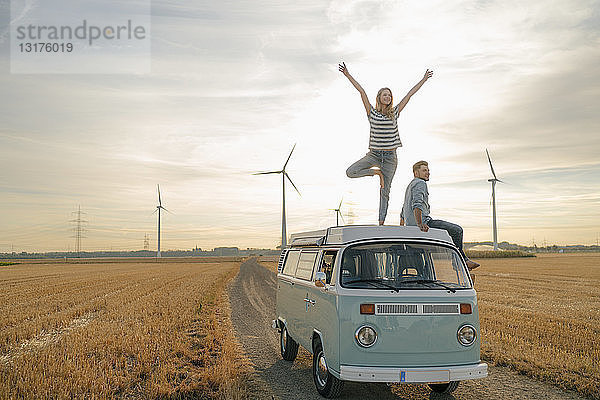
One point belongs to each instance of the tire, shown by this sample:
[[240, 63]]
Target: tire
[[327, 385], [444, 387], [288, 346]]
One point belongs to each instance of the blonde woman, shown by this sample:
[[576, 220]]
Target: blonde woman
[[384, 139]]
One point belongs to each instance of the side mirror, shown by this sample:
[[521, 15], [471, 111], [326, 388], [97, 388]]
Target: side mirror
[[320, 279]]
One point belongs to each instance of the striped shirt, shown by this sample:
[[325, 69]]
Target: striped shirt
[[384, 131]]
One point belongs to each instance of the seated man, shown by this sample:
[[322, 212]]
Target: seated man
[[415, 211]]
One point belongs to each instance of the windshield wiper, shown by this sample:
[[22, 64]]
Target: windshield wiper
[[435, 282], [372, 281]]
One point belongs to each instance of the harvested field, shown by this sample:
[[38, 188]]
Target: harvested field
[[162, 330], [118, 330], [541, 316]]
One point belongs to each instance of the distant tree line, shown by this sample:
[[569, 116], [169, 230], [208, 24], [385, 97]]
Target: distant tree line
[[537, 249], [235, 251], [216, 252]]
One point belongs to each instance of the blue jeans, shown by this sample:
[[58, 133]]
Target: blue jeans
[[455, 232], [387, 161]]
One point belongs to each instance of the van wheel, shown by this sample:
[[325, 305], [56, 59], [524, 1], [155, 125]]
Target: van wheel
[[444, 387], [289, 347], [327, 385]]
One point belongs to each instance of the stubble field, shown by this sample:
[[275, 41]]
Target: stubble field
[[541, 316], [118, 330], [162, 330]]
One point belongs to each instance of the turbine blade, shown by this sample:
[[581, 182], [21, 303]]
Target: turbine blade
[[491, 166], [266, 173], [166, 210], [290, 179], [159, 203], [288, 159], [342, 217], [340, 206]]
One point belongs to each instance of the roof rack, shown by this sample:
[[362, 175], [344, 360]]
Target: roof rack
[[313, 238], [352, 233]]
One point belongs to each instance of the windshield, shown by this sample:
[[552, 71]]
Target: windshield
[[403, 266]]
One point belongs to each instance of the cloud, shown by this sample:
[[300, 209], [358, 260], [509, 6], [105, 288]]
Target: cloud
[[13, 15], [547, 120], [234, 85]]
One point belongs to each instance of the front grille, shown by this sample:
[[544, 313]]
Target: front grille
[[397, 309], [440, 309], [416, 309]]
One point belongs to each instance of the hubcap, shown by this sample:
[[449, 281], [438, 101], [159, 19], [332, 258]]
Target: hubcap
[[321, 369]]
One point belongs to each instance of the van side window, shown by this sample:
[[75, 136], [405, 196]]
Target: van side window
[[327, 264], [291, 262], [305, 265]]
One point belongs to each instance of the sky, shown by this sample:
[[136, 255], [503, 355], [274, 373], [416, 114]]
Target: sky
[[233, 85]]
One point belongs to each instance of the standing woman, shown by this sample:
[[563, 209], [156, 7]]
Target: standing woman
[[381, 159]]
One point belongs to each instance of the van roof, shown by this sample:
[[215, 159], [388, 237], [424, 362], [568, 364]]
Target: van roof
[[352, 233]]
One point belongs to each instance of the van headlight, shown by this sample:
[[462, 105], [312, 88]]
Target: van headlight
[[366, 336], [466, 335]]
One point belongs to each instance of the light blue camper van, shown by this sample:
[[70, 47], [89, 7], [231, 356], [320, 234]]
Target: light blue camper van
[[379, 304]]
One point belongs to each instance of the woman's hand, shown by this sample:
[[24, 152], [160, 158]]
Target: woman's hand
[[428, 74], [343, 69], [404, 101], [363, 96]]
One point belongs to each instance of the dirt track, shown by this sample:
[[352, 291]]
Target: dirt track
[[252, 297]]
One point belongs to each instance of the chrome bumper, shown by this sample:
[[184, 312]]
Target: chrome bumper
[[413, 375]]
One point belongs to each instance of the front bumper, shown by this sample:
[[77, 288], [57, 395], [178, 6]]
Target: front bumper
[[413, 375]]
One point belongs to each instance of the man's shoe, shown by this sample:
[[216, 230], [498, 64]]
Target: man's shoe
[[471, 265]]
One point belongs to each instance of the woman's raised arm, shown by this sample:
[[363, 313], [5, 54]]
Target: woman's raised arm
[[344, 70], [402, 104]]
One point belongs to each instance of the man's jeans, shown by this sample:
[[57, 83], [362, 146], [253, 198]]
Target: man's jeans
[[387, 161], [455, 232]]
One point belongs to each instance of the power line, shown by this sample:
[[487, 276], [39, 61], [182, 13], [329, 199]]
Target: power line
[[79, 230]]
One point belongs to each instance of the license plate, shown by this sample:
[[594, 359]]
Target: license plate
[[425, 376]]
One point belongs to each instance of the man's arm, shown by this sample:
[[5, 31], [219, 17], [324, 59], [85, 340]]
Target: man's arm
[[419, 218], [415, 89], [418, 202]]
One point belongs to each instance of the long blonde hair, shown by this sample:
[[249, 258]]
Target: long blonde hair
[[385, 109]]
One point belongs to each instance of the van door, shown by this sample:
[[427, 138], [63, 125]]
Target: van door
[[285, 291], [303, 302], [323, 312]]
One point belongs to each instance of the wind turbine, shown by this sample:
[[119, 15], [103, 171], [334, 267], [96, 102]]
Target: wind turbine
[[284, 175], [493, 181], [158, 208], [338, 213]]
